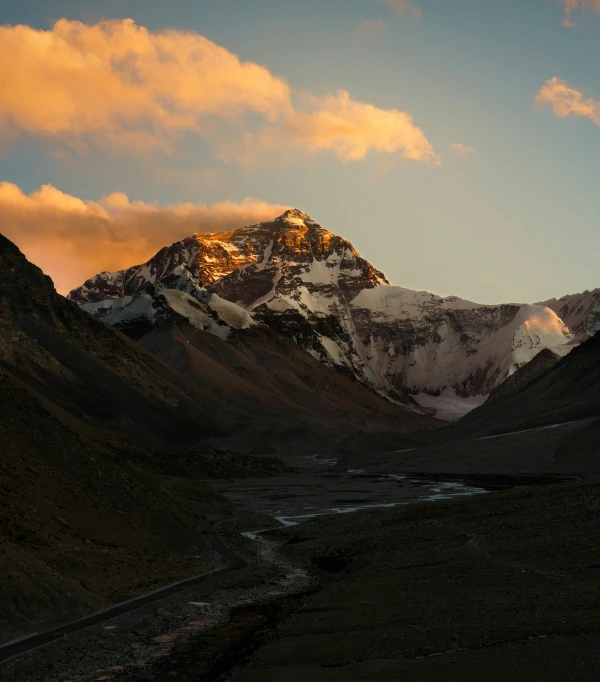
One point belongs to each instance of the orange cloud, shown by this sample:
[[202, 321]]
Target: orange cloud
[[404, 7], [72, 239], [567, 101], [351, 129], [572, 5], [462, 149], [125, 84], [346, 127]]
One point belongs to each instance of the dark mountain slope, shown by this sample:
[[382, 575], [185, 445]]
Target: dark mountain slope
[[81, 525], [300, 404], [84, 367], [569, 390], [541, 363]]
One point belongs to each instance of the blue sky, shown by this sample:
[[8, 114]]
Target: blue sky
[[516, 221]]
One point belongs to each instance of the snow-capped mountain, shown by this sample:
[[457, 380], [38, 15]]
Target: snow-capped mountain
[[581, 312], [313, 287]]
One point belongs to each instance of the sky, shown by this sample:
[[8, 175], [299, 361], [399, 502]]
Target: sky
[[455, 143]]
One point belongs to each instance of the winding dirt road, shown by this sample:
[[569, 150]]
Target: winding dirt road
[[231, 562]]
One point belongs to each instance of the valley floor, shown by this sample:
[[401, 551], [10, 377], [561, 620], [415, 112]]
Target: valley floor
[[494, 587], [488, 587]]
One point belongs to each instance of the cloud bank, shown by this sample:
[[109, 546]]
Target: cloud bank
[[72, 239], [121, 85], [124, 84]]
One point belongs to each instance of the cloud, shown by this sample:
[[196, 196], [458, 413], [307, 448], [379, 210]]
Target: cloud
[[572, 5], [462, 149], [567, 101], [352, 129], [370, 28], [404, 7], [72, 239], [124, 84], [349, 129]]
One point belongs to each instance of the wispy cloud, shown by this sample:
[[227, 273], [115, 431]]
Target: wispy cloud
[[572, 5], [370, 28], [568, 101], [462, 149], [72, 239], [404, 7], [119, 84]]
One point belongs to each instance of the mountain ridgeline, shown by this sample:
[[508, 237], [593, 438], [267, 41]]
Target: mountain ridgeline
[[311, 287]]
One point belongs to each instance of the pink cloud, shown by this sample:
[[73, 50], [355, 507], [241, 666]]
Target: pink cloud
[[567, 101]]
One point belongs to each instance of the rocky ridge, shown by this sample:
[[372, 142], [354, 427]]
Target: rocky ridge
[[581, 312]]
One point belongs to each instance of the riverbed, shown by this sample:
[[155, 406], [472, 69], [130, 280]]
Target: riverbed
[[319, 488]]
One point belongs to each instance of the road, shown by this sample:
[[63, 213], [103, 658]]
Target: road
[[231, 563]]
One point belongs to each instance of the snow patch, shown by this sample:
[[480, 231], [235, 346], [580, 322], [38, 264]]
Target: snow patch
[[295, 221], [538, 328], [231, 313], [188, 307], [333, 350], [108, 307], [449, 406], [140, 307]]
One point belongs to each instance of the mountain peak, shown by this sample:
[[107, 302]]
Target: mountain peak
[[293, 238], [295, 216]]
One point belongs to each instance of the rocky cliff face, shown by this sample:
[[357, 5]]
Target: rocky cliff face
[[313, 287]]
